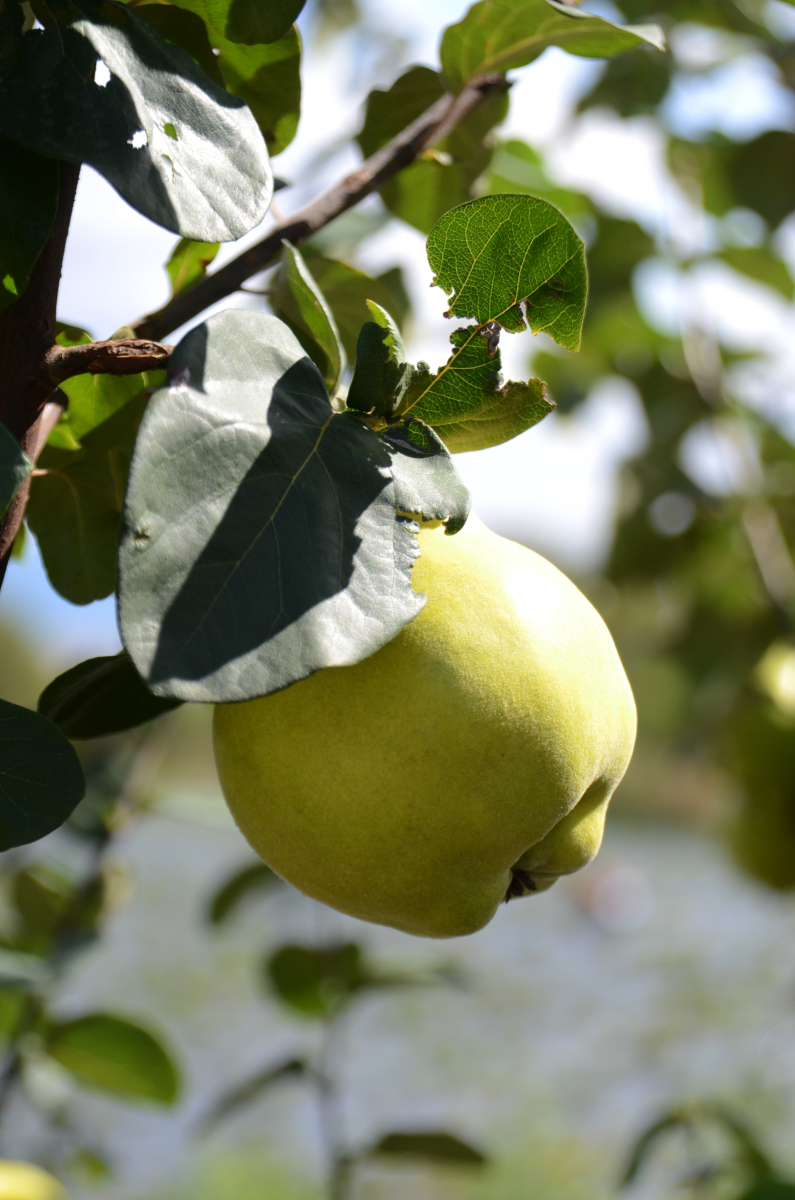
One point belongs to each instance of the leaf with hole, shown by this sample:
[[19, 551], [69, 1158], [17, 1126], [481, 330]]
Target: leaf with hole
[[41, 780], [434, 1147], [260, 540], [101, 696], [15, 466], [253, 879], [28, 199], [100, 85], [427, 484], [500, 35], [298, 301], [189, 261], [268, 78], [106, 1052]]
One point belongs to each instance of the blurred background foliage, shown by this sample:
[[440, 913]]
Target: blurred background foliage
[[177, 1022]]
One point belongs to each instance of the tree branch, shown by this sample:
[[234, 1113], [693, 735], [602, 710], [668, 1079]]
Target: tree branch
[[434, 124], [126, 356]]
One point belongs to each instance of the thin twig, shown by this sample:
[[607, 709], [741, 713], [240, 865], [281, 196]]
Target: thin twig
[[125, 356], [433, 125]]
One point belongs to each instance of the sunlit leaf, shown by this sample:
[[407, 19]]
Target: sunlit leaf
[[435, 1147], [427, 484], [499, 35], [247, 21], [252, 879], [101, 696], [260, 535], [15, 466], [190, 260], [41, 780], [28, 200], [106, 1052], [174, 144], [298, 301], [268, 78]]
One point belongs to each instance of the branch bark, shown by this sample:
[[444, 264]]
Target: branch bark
[[125, 356], [433, 125], [27, 331]]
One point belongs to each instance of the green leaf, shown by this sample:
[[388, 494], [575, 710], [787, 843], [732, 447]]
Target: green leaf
[[184, 29], [759, 263], [15, 466], [75, 508], [427, 484], [41, 779], [251, 1090], [443, 176], [28, 200], [106, 1052], [431, 1147], [315, 982], [254, 878], [268, 79], [298, 302], [500, 254], [771, 1189], [517, 167], [189, 261], [500, 35], [23, 972], [212, 182], [381, 375], [260, 537], [248, 21], [347, 290], [95, 398], [101, 696], [762, 175]]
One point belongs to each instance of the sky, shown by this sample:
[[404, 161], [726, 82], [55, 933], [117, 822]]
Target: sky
[[555, 486]]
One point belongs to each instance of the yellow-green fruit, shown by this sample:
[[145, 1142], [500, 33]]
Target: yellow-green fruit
[[470, 759], [23, 1181]]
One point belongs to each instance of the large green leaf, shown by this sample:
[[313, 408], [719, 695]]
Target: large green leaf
[[101, 696], [248, 21], [427, 484], [15, 466], [75, 508], [499, 35], [28, 200], [41, 780], [499, 255], [268, 78], [260, 540], [442, 177], [116, 1056], [436, 1147], [346, 290], [174, 144], [298, 301]]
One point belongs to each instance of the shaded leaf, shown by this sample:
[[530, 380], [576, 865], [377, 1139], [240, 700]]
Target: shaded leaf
[[770, 1189], [176, 146], [431, 1147], [254, 878], [762, 175], [41, 779], [381, 375], [15, 466], [190, 260], [106, 1052], [268, 78], [298, 302], [500, 254], [101, 696], [500, 35], [427, 484], [28, 200], [250, 1090], [184, 29], [443, 176], [316, 982], [346, 290], [75, 509], [246, 21], [260, 537], [757, 262]]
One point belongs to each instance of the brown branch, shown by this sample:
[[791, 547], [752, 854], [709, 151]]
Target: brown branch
[[434, 124], [27, 331], [126, 356]]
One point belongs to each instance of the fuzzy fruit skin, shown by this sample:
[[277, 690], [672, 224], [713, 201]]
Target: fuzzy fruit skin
[[23, 1181], [488, 735]]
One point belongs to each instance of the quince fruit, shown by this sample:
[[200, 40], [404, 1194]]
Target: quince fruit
[[468, 761], [24, 1181]]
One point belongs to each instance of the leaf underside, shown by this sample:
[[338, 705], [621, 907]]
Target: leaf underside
[[101, 696], [179, 148], [260, 540], [41, 780]]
